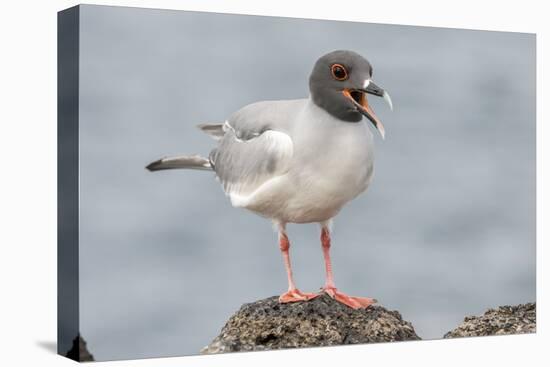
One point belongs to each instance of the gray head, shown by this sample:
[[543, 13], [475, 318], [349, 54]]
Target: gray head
[[340, 82]]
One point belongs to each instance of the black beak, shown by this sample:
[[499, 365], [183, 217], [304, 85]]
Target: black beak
[[359, 99], [374, 90]]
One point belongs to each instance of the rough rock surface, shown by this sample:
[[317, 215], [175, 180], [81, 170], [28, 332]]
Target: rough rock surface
[[267, 324], [79, 352], [520, 319]]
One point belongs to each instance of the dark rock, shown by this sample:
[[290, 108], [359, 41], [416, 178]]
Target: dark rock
[[267, 324], [79, 352], [520, 319]]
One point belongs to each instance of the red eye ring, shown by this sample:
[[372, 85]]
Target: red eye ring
[[339, 72]]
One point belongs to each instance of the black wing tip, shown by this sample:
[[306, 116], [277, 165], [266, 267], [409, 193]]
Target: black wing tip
[[154, 166]]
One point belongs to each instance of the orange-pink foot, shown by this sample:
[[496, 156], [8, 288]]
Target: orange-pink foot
[[353, 302], [295, 295]]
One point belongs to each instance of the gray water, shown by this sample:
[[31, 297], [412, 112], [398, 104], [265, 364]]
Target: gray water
[[446, 229]]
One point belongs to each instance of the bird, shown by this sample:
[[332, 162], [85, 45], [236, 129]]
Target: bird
[[300, 160]]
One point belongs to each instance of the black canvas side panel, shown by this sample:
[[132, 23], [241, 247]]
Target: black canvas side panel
[[67, 178]]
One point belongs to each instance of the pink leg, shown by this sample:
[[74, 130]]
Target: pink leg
[[293, 294], [330, 288]]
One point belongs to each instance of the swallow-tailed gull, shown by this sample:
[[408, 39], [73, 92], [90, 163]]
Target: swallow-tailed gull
[[299, 161]]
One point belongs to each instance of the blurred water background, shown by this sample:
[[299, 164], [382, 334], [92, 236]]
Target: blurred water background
[[446, 229]]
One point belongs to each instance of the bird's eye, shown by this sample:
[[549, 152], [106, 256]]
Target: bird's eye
[[339, 72]]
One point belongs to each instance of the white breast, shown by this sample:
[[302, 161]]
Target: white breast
[[332, 163]]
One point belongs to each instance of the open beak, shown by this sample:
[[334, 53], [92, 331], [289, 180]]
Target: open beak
[[359, 99]]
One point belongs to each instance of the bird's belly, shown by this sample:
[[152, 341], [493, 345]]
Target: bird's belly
[[321, 193], [316, 191]]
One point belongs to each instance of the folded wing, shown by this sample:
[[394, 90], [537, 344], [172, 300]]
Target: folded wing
[[243, 165]]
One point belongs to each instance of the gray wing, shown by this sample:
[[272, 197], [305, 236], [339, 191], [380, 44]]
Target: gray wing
[[254, 148], [253, 119], [242, 166]]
